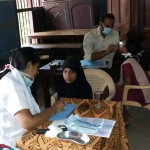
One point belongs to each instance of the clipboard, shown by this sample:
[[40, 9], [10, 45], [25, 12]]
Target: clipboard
[[68, 108]]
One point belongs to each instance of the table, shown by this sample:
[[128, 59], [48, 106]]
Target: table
[[45, 73], [57, 34], [54, 45], [85, 108], [58, 50]]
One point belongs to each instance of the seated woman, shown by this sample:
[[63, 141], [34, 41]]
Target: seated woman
[[74, 83], [19, 110], [132, 73]]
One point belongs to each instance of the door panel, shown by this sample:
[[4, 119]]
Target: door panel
[[121, 11], [57, 15], [81, 13]]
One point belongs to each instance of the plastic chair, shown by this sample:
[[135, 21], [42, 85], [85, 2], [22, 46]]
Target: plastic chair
[[125, 101], [99, 80]]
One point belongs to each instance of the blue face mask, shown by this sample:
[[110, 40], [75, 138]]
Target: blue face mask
[[106, 31], [28, 82]]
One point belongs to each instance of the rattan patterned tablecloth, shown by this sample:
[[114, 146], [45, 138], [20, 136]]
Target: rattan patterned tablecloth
[[85, 108]]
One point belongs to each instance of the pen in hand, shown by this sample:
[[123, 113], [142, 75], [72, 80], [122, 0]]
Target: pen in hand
[[59, 105], [41, 131]]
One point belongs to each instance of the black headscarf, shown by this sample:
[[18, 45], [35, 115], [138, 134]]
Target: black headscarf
[[80, 88]]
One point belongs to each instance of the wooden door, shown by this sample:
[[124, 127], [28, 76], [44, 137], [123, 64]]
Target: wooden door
[[146, 19], [81, 14], [142, 21], [57, 15], [121, 11]]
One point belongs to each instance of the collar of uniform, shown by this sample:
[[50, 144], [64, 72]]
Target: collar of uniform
[[98, 31]]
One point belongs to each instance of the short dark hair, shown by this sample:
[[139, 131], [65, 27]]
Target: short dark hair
[[133, 46], [21, 56], [110, 16]]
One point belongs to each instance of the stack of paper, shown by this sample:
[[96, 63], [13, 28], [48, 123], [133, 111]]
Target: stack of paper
[[91, 126]]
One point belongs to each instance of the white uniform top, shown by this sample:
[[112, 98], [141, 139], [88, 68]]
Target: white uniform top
[[14, 96], [94, 42]]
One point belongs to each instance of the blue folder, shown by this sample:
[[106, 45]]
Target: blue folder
[[93, 64], [68, 108]]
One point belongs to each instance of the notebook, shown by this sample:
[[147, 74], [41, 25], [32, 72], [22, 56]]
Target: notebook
[[68, 108]]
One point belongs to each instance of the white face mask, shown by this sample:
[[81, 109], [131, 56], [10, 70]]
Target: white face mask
[[106, 31], [28, 82]]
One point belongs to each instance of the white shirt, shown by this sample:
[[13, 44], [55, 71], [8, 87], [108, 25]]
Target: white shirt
[[94, 42], [14, 96]]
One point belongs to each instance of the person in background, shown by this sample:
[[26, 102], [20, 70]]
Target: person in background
[[132, 73], [118, 59], [124, 37], [19, 110], [74, 83], [102, 41]]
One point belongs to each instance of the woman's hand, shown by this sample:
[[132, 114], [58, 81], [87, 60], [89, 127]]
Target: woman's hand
[[58, 106]]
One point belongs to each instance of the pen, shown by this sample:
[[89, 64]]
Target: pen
[[41, 131]]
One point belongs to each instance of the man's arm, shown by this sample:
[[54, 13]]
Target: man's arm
[[98, 55], [88, 47]]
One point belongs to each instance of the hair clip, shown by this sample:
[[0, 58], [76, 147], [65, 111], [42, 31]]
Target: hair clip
[[139, 54], [7, 67], [127, 55]]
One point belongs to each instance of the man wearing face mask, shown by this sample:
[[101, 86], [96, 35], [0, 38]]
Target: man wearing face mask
[[101, 42]]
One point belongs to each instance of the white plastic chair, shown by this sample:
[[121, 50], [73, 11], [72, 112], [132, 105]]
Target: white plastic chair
[[99, 80], [130, 102]]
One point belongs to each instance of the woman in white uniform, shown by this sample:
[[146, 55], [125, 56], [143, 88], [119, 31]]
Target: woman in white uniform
[[19, 110]]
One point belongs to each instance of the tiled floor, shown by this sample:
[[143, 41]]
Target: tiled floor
[[139, 130]]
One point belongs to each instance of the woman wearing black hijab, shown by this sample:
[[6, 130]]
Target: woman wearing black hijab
[[74, 83]]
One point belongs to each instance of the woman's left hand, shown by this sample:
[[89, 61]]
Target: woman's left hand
[[59, 106]]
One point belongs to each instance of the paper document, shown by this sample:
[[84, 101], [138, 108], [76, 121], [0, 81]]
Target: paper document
[[57, 61], [54, 62], [68, 108], [91, 126]]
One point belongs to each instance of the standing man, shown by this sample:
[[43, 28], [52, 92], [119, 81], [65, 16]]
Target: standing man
[[102, 41]]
